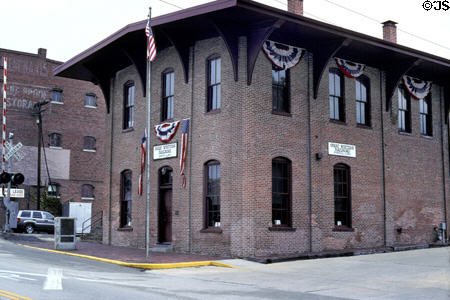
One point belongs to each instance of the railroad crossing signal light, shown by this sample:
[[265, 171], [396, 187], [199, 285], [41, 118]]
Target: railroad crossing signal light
[[16, 179]]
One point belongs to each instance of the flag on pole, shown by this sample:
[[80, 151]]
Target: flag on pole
[[143, 150], [184, 141], [151, 47]]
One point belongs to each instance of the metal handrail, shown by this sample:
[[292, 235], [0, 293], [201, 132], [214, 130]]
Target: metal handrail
[[99, 219]]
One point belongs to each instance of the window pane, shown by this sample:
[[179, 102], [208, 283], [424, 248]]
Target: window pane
[[218, 96], [331, 80], [37, 215], [212, 72], [337, 85], [358, 90], [363, 93], [218, 67], [363, 113]]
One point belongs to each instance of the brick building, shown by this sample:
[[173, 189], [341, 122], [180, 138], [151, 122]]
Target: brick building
[[73, 125], [279, 161]]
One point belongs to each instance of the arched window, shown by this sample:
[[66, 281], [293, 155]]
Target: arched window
[[281, 191], [336, 88], [214, 81], [404, 110], [55, 140], [212, 194], [362, 100], [128, 105], [90, 100], [426, 120], [342, 196], [57, 95], [168, 91], [87, 191], [280, 90], [125, 198], [89, 143], [53, 190]]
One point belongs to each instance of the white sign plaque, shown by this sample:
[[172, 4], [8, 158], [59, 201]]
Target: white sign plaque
[[165, 151], [341, 149], [15, 193]]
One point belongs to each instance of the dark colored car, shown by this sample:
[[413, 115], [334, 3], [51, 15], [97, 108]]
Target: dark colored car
[[30, 221]]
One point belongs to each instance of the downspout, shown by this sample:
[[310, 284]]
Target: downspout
[[191, 123], [383, 177], [308, 152], [111, 103], [441, 108]]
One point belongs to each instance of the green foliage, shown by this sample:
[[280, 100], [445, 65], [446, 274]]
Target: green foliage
[[50, 204]]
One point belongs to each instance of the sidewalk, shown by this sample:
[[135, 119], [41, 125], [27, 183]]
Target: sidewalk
[[128, 256]]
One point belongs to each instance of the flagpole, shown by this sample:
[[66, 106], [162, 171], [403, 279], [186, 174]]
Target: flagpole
[[147, 202]]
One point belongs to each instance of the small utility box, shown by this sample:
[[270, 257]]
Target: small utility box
[[65, 235]]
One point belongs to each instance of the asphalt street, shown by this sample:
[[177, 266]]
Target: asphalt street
[[419, 274]]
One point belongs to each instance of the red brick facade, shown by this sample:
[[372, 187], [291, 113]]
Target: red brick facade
[[244, 136], [31, 80]]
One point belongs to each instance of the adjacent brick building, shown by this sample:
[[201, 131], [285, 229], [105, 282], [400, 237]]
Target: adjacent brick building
[[262, 177], [73, 125]]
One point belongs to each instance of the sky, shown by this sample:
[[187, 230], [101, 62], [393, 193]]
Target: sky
[[68, 27]]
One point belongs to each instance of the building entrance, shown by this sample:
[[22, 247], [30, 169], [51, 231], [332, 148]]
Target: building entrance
[[165, 205]]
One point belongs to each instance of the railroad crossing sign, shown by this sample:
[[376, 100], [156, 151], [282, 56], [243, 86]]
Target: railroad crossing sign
[[14, 151]]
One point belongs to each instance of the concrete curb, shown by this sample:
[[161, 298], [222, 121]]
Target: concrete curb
[[140, 265]]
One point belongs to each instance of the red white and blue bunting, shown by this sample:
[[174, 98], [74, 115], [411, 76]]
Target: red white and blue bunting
[[417, 88], [349, 68], [281, 55], [166, 131]]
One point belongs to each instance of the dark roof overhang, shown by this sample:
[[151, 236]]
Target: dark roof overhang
[[230, 19]]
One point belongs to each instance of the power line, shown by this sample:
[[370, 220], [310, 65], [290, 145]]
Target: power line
[[377, 21], [171, 4], [369, 18]]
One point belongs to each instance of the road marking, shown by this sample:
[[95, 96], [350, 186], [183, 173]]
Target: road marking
[[54, 279], [15, 277], [13, 296]]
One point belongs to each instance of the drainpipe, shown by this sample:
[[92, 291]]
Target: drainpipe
[[383, 177], [191, 128], [308, 152], [442, 108], [111, 106]]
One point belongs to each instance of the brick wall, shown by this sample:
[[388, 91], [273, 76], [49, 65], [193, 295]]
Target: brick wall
[[30, 80], [245, 136]]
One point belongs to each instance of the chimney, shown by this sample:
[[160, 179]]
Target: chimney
[[42, 52], [390, 31], [295, 7]]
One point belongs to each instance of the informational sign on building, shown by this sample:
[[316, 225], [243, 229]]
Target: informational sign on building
[[15, 193], [165, 151], [341, 149]]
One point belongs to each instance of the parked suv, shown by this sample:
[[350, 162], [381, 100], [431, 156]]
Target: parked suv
[[35, 220]]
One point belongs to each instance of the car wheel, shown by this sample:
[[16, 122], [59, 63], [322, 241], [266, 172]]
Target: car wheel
[[29, 228]]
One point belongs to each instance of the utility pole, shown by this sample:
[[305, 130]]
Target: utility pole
[[37, 112]]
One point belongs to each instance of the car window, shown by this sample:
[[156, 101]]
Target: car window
[[26, 214], [48, 216], [37, 215]]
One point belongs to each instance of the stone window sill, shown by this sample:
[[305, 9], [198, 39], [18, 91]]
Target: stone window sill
[[127, 130], [211, 230], [90, 106], [89, 150], [56, 102], [88, 198], [281, 113], [127, 228], [339, 122], [343, 229], [282, 228]]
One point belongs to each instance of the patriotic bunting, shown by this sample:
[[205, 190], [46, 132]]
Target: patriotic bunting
[[419, 89], [350, 69], [166, 131], [143, 150], [281, 55], [183, 149]]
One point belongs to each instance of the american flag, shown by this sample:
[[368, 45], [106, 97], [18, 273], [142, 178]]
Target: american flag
[[184, 141], [151, 47], [143, 150]]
